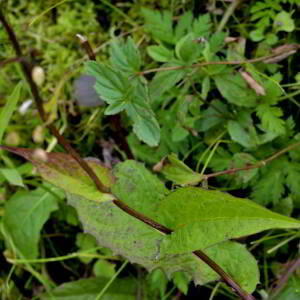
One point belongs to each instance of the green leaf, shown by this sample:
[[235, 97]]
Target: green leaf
[[284, 206], [176, 171], [160, 53], [292, 171], [184, 25], [139, 243], [157, 282], [159, 24], [88, 289], [257, 35], [270, 188], [205, 87], [145, 125], [215, 44], [202, 26], [8, 109], [164, 80], [270, 118], [125, 56], [85, 241], [104, 268], [214, 115], [181, 281], [111, 85], [63, 171], [284, 22], [116, 90], [201, 218], [187, 49], [25, 215], [235, 90], [12, 176], [179, 133], [243, 134]]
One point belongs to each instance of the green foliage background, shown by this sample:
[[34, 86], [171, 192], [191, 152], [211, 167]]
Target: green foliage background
[[209, 117]]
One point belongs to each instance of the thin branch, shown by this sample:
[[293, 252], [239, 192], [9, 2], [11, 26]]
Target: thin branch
[[209, 63], [27, 70], [257, 165], [10, 60]]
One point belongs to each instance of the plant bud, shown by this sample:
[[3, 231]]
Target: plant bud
[[38, 75], [38, 134]]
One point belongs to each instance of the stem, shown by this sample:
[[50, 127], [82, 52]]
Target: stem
[[86, 45], [257, 165], [27, 70], [208, 63]]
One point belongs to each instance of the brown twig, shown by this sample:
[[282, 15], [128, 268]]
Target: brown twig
[[27, 70], [209, 63], [86, 45], [10, 60], [257, 165]]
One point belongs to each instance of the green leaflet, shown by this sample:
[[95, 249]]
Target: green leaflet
[[176, 171], [25, 214], [88, 289], [270, 118], [164, 80], [63, 171], [111, 85], [284, 22], [202, 218], [159, 24], [12, 176], [125, 57], [235, 90], [120, 94], [160, 53], [141, 244]]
